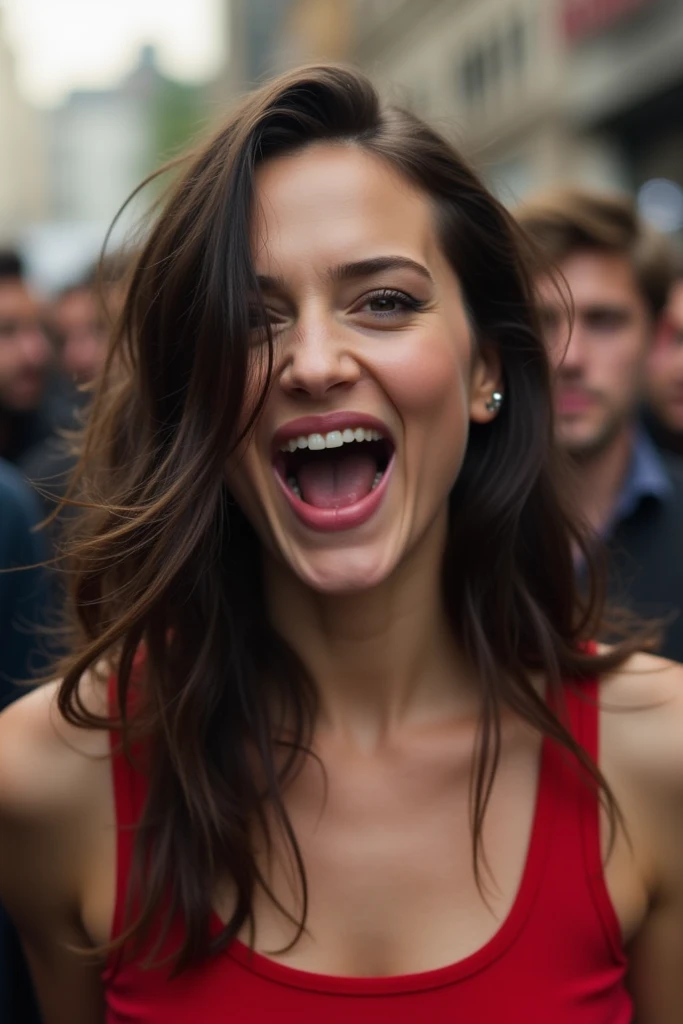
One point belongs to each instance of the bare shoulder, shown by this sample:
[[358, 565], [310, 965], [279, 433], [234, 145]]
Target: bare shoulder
[[55, 791], [641, 725], [641, 756], [45, 762], [56, 804]]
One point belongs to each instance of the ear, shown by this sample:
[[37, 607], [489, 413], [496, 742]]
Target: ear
[[486, 380]]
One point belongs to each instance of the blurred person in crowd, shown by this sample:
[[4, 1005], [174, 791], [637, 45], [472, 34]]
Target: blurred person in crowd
[[81, 331], [22, 613], [22, 593], [82, 316], [80, 319], [618, 272], [334, 741], [25, 363], [664, 411]]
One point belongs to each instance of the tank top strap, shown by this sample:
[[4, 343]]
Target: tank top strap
[[130, 793], [584, 808]]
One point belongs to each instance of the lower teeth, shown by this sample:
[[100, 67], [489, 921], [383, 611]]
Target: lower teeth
[[378, 476]]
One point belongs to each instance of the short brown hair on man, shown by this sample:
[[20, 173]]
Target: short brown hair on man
[[568, 220]]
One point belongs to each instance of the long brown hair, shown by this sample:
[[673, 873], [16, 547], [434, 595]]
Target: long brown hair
[[166, 562]]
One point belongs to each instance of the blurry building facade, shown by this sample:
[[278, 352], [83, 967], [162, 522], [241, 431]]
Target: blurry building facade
[[269, 36], [22, 179], [103, 142], [100, 144], [487, 71], [625, 81], [538, 91]]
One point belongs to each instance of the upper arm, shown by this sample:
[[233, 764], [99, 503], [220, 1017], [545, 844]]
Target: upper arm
[[42, 857], [656, 953], [645, 737], [656, 966]]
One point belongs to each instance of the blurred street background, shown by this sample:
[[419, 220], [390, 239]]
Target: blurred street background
[[94, 95]]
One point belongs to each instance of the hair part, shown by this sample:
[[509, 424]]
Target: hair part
[[165, 563], [566, 221]]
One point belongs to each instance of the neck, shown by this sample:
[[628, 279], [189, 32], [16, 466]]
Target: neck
[[600, 476], [378, 657]]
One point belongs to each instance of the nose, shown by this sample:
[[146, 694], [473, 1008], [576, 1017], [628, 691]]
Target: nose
[[318, 361], [572, 357], [35, 348]]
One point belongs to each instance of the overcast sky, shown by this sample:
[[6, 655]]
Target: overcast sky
[[65, 44]]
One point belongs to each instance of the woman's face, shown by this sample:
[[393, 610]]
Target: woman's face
[[375, 374]]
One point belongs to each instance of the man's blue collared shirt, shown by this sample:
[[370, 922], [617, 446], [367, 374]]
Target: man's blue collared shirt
[[646, 478]]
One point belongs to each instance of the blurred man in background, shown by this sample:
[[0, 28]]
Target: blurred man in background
[[22, 593], [664, 415], [25, 360], [80, 321], [82, 324], [22, 609], [618, 273]]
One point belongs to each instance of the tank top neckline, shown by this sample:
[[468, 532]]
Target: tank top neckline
[[503, 938], [575, 824]]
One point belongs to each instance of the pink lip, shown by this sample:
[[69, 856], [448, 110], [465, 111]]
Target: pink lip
[[572, 402], [328, 520], [323, 424]]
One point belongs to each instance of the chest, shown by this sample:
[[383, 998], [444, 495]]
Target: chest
[[386, 846], [388, 854]]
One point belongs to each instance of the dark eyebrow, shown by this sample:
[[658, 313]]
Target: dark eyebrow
[[270, 284], [351, 271], [366, 268], [605, 307]]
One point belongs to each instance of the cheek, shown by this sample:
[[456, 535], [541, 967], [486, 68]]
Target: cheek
[[432, 380], [430, 390], [660, 365], [620, 364]]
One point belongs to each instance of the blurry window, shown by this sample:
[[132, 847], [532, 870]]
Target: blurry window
[[473, 77], [494, 61], [517, 45]]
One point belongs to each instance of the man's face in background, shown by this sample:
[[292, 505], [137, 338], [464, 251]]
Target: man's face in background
[[82, 330], [665, 366], [600, 356], [25, 352]]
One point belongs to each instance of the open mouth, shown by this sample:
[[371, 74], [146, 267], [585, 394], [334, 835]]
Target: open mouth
[[335, 470]]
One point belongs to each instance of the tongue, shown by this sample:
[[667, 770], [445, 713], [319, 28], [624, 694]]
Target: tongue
[[333, 482]]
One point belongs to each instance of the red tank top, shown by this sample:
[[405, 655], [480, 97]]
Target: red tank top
[[556, 959]]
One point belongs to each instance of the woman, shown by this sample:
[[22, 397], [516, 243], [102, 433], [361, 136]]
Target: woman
[[328, 573]]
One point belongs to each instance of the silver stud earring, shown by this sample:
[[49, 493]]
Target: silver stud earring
[[495, 401]]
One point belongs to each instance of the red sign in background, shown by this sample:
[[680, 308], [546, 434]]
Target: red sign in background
[[583, 18]]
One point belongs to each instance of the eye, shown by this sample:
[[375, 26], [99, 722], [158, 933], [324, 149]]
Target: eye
[[259, 316], [605, 321], [389, 302]]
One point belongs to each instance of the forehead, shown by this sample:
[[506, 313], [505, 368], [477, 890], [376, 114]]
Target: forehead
[[81, 301], [335, 203], [15, 297], [594, 278]]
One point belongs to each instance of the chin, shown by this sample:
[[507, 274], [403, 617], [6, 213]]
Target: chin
[[579, 442], [343, 571]]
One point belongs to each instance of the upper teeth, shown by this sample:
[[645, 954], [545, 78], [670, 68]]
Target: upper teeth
[[335, 439]]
